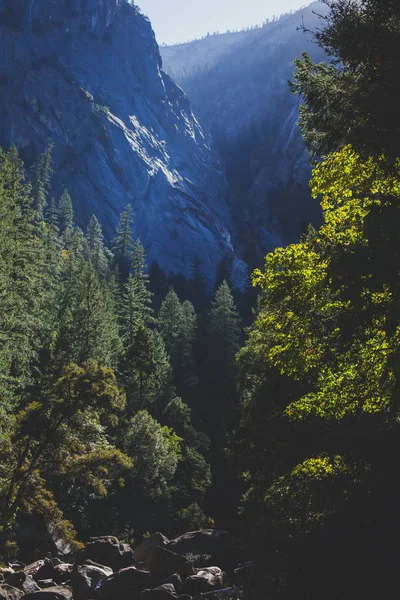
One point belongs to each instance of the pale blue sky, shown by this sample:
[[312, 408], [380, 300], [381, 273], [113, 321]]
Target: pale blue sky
[[180, 20]]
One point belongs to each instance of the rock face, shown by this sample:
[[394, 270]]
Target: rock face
[[87, 73], [237, 85]]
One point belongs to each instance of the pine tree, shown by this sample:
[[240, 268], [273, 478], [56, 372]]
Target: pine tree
[[88, 323], [123, 243], [21, 277], [224, 328], [95, 240], [65, 211], [198, 287], [41, 181], [170, 324], [187, 367]]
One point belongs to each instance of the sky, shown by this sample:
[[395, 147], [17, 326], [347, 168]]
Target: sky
[[181, 20]]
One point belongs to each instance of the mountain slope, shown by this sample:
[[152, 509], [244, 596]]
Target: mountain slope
[[87, 73], [237, 84]]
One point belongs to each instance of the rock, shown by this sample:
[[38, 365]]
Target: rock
[[46, 583], [17, 565], [86, 579], [205, 580], [162, 562], [34, 568], [124, 584], [23, 581], [163, 592], [7, 592], [6, 571], [176, 581], [185, 597], [37, 535], [62, 572], [224, 549], [54, 593], [107, 550], [141, 552]]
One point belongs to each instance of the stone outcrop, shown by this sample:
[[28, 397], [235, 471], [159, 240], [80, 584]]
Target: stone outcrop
[[164, 575], [87, 74], [108, 551]]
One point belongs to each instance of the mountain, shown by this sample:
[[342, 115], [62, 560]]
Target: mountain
[[87, 74], [237, 83]]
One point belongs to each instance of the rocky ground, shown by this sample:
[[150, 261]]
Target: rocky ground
[[200, 564]]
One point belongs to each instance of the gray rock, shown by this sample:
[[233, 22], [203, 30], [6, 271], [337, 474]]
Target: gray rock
[[141, 552], [86, 579], [23, 582], [162, 592], [7, 592], [224, 549], [46, 583], [62, 572], [124, 584], [90, 77], [54, 593], [107, 550], [162, 562], [176, 581], [205, 580]]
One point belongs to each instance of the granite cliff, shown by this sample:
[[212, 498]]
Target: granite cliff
[[237, 84], [87, 74]]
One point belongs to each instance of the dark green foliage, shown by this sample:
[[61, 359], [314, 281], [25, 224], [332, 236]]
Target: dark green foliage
[[41, 181], [123, 243], [66, 212], [354, 99]]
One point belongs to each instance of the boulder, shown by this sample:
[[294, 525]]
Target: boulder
[[40, 569], [57, 592], [162, 562], [17, 565], [7, 592], [86, 579], [163, 592], [205, 580], [224, 549], [62, 572], [124, 584], [46, 583], [23, 581], [36, 534], [141, 552], [107, 550], [176, 581], [33, 568]]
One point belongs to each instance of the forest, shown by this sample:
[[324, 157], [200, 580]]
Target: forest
[[132, 401]]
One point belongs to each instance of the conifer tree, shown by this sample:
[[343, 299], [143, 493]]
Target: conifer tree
[[88, 328], [66, 212], [170, 324], [41, 181], [95, 241], [21, 273], [123, 243]]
